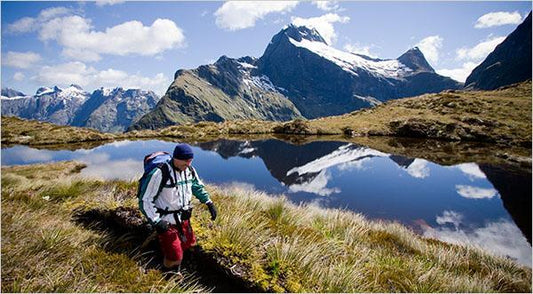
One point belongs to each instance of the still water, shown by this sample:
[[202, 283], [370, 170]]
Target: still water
[[465, 203]]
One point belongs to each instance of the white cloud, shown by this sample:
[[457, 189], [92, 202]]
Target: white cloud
[[360, 49], [480, 51], [459, 74], [52, 12], [109, 2], [471, 58], [498, 19], [430, 47], [238, 15], [23, 25], [327, 5], [91, 78], [30, 24], [323, 24], [475, 192], [18, 76], [80, 42], [418, 169], [21, 59]]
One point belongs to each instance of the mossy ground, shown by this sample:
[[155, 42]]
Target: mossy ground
[[266, 241]]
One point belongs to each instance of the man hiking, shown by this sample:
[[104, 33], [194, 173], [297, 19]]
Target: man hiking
[[165, 193]]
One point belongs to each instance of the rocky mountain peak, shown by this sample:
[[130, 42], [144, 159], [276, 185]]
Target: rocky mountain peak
[[43, 90], [299, 33], [76, 86], [415, 60], [8, 92]]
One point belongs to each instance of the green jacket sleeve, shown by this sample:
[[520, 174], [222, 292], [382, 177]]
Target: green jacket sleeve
[[198, 188]]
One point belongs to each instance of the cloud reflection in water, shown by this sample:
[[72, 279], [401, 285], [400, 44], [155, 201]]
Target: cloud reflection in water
[[501, 237], [475, 192]]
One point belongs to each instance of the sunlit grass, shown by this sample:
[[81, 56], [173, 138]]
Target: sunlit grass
[[44, 251], [309, 249]]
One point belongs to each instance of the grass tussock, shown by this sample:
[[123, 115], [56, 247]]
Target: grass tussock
[[266, 241], [289, 248]]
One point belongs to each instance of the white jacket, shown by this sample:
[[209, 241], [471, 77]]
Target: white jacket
[[153, 195]]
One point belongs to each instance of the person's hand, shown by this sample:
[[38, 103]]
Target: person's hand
[[161, 226], [212, 210]]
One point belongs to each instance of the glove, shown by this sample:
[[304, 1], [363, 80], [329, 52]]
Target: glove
[[212, 210], [161, 226]]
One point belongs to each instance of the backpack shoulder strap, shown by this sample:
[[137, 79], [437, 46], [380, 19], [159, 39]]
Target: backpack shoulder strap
[[193, 172], [165, 170]]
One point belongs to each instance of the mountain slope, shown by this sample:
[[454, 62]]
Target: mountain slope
[[225, 90], [509, 63], [10, 93]]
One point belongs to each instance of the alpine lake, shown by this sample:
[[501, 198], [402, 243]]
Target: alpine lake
[[455, 192]]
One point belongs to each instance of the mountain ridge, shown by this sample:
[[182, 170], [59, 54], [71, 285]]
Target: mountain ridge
[[300, 75], [510, 62], [76, 107]]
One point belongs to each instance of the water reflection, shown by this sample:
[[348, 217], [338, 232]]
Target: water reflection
[[485, 205]]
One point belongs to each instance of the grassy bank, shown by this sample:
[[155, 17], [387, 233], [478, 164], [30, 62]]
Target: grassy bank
[[501, 116], [272, 245], [43, 250]]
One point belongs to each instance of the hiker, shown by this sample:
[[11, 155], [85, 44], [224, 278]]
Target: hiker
[[165, 192]]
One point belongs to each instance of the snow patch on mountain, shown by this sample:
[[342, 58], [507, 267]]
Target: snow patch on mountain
[[350, 62]]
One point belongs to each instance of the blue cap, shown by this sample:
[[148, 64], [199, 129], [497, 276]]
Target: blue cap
[[183, 152]]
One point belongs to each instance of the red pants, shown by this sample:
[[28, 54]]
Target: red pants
[[172, 246]]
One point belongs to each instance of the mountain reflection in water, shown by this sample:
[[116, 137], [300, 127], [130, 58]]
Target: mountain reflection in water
[[485, 205]]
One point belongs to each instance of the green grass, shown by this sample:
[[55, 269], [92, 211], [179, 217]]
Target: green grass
[[265, 241]]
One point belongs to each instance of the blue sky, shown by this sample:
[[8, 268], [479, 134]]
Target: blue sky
[[142, 44]]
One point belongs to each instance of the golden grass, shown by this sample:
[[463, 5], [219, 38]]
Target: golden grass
[[44, 251], [289, 248]]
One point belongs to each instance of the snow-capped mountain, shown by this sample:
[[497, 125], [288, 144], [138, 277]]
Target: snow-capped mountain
[[298, 75], [108, 110], [11, 93], [114, 110], [321, 80], [55, 105]]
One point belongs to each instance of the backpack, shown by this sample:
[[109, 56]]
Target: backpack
[[151, 161]]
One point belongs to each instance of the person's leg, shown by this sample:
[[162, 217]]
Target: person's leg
[[171, 248], [189, 235]]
